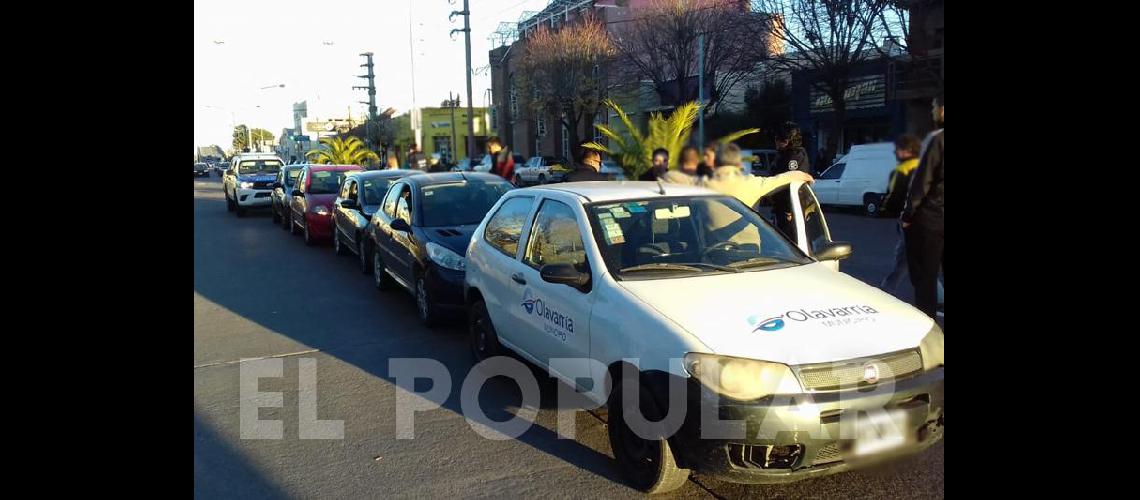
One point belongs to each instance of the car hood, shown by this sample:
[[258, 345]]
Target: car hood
[[257, 178], [454, 238], [797, 315]]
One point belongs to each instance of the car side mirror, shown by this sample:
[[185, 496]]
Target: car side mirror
[[564, 274], [401, 225], [348, 203], [297, 192], [835, 250]]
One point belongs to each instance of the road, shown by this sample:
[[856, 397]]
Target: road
[[259, 292]]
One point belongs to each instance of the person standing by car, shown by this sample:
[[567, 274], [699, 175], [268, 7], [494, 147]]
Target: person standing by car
[[790, 157], [730, 178], [906, 153], [393, 163], [417, 160], [691, 161], [589, 169], [708, 166], [922, 218], [504, 162], [660, 165]]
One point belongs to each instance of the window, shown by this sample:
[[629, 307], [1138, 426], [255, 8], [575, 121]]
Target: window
[[555, 238], [814, 225], [390, 199], [494, 117], [304, 180], [541, 126], [344, 190], [402, 206], [374, 190], [291, 177], [352, 190], [255, 166], [514, 103], [505, 227], [326, 181], [835, 172], [565, 141], [460, 203]]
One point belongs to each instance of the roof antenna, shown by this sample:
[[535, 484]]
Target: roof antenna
[[661, 187]]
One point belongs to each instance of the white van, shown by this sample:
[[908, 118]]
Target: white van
[[859, 178]]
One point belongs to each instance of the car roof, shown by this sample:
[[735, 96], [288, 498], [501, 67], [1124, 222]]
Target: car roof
[[321, 167], [446, 177], [605, 191], [380, 174]]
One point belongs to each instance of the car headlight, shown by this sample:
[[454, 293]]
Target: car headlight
[[932, 348], [739, 378], [321, 210], [246, 185], [445, 257]]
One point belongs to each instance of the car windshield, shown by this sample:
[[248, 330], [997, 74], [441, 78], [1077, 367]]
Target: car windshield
[[326, 181], [680, 236], [374, 189], [259, 166], [460, 203]]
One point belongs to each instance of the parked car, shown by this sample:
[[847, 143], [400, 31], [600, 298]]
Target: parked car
[[360, 196], [310, 204], [282, 193], [248, 183], [753, 327], [859, 178], [542, 169], [611, 168], [421, 233], [487, 162]]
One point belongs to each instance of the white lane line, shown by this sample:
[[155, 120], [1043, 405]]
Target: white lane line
[[254, 359]]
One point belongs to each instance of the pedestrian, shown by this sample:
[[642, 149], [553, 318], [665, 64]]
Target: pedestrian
[[393, 163], [690, 161], [729, 178], [503, 162], [416, 159], [906, 153], [922, 217], [790, 157], [589, 169], [660, 165], [708, 166]]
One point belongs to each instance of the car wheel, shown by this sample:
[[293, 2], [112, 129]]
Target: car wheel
[[542, 178], [229, 202], [518, 180], [305, 231], [380, 276], [276, 215], [647, 464], [338, 249], [871, 205], [424, 305], [292, 223], [484, 340], [361, 252]]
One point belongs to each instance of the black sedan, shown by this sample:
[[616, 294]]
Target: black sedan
[[358, 201], [279, 199], [421, 232]]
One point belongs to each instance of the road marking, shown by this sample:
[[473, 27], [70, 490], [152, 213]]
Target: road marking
[[255, 359]]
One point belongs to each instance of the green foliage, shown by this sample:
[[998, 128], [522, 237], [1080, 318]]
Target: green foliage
[[350, 151]]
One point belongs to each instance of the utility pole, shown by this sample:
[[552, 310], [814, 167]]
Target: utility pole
[[452, 102], [371, 88], [466, 13], [701, 92]]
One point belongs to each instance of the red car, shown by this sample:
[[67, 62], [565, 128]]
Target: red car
[[311, 205]]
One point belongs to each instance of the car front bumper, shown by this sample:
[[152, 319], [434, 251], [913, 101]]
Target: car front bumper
[[445, 287], [320, 226], [806, 436], [254, 197]]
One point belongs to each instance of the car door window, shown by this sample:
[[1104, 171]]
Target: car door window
[[402, 205], [815, 227], [345, 189], [353, 190], [389, 207], [835, 172], [505, 227], [555, 238]]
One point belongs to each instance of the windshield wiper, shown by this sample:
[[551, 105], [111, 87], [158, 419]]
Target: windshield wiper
[[756, 262], [687, 266]]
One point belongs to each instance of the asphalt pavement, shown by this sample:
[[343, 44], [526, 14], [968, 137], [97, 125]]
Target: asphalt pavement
[[261, 293]]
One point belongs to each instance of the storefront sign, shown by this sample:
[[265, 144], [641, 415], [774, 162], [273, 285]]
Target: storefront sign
[[863, 92]]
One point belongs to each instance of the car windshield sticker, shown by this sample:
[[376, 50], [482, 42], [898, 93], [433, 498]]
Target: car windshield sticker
[[619, 212], [428, 192], [612, 232], [636, 207]]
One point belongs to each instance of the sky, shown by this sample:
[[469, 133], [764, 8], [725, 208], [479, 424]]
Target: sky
[[273, 42]]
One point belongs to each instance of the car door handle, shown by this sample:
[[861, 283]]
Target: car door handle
[[518, 277]]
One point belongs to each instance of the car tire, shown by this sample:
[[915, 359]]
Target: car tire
[[872, 205], [542, 178], [362, 255], [425, 309], [292, 223], [276, 215], [484, 340], [648, 465], [380, 277], [309, 241], [518, 180], [230, 205], [338, 248]]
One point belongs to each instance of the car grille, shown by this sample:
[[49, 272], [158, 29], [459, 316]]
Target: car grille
[[263, 185], [849, 373], [829, 453]]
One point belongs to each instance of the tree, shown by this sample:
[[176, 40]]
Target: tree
[[340, 151], [261, 137], [662, 46], [562, 72], [829, 38], [634, 153], [241, 138]]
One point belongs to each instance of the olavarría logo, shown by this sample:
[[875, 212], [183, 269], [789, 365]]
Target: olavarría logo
[[776, 323]]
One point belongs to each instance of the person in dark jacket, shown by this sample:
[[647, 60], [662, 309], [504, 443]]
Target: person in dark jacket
[[922, 218], [708, 166], [417, 160], [589, 169], [790, 157], [660, 165], [906, 152]]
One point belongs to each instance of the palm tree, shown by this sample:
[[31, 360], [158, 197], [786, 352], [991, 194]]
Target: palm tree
[[635, 152], [350, 151]]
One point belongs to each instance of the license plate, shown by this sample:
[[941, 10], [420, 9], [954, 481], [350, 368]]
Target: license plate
[[879, 431]]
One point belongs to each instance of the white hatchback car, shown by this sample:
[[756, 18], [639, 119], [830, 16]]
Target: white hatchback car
[[630, 288]]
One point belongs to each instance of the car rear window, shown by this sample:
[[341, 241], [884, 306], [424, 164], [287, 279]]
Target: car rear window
[[326, 181], [459, 203]]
